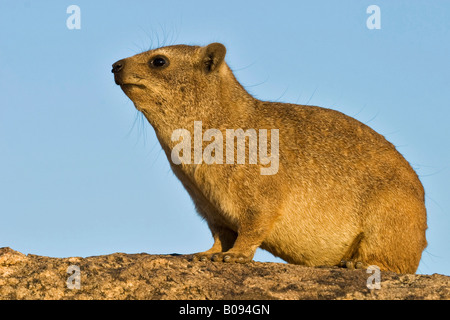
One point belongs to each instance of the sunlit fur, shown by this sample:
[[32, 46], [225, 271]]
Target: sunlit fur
[[342, 191]]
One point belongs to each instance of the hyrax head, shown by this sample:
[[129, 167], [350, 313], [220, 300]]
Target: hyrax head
[[166, 76]]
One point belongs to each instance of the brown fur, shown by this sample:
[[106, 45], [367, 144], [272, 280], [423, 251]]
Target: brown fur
[[341, 192]]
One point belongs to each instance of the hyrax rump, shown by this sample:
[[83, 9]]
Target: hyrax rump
[[341, 195]]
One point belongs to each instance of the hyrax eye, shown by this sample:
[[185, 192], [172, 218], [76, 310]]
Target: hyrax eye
[[159, 62]]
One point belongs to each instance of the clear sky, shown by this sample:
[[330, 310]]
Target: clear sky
[[81, 172]]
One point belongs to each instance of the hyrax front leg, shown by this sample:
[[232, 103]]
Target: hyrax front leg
[[224, 239], [250, 235]]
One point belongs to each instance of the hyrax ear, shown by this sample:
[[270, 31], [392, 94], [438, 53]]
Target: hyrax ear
[[212, 56]]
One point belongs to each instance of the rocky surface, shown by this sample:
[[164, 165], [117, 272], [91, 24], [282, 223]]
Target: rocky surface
[[174, 277]]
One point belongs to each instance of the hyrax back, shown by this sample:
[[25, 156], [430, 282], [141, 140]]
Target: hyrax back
[[338, 190]]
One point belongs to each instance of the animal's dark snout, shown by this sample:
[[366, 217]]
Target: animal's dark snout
[[117, 66]]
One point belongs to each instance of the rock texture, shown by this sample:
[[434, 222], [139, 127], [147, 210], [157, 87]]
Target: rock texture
[[174, 277]]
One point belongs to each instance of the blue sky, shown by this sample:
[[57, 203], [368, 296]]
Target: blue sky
[[81, 172]]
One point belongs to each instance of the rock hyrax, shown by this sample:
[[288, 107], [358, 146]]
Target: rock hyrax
[[341, 194]]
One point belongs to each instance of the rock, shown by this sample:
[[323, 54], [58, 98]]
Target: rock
[[174, 277]]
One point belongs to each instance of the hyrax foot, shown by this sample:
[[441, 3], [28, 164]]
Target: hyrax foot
[[352, 264], [231, 257], [221, 257], [201, 256]]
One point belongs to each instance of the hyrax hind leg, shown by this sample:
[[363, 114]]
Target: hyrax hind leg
[[394, 233], [352, 259]]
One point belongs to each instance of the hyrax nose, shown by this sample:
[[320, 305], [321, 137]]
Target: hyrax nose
[[117, 66]]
